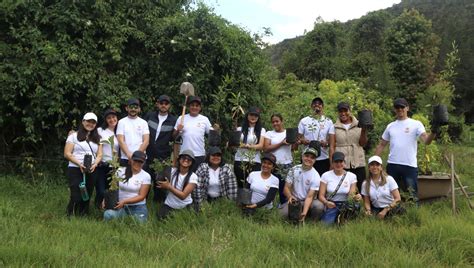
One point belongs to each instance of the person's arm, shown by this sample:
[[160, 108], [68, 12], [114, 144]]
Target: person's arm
[[145, 142], [353, 192], [332, 147], [307, 204], [180, 194], [302, 139], [363, 137], [144, 188], [396, 196], [98, 157], [287, 193], [68, 148], [427, 139], [322, 196], [268, 199], [258, 146], [267, 147], [380, 147], [123, 146], [368, 210]]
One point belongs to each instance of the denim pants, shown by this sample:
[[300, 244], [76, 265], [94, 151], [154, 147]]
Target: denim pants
[[330, 215], [406, 178], [139, 212]]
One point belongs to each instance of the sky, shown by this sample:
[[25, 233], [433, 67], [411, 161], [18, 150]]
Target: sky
[[291, 18]]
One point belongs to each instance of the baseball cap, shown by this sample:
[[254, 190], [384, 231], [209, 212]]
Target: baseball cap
[[254, 110], [343, 105], [214, 150], [194, 99], [270, 157], [338, 156], [400, 102], [375, 158], [90, 116], [133, 102], [317, 99], [139, 156], [164, 98], [187, 153], [312, 151], [109, 111]]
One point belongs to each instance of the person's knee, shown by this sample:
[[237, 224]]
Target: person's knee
[[284, 210], [110, 214]]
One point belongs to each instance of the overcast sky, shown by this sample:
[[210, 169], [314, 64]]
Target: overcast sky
[[290, 18]]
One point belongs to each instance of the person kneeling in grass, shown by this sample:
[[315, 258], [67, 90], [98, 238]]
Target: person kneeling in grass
[[302, 185], [133, 190], [380, 191], [263, 184], [182, 183], [337, 186]]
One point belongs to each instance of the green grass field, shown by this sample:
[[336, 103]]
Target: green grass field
[[35, 232]]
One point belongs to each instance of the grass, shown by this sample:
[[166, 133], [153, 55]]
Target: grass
[[35, 232]]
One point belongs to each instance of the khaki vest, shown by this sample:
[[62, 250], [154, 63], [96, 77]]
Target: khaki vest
[[347, 142]]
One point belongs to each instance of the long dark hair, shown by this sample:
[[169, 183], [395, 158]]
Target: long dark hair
[[128, 172], [208, 157], [93, 135], [105, 125], [245, 128], [176, 175]]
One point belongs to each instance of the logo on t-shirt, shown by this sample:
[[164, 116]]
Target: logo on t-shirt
[[407, 130], [307, 182]]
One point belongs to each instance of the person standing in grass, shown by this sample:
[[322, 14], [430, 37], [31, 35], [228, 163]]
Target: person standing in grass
[[302, 186], [337, 186], [275, 142], [402, 135], [380, 191], [107, 130], [133, 190], [181, 184], [319, 128], [132, 132], [251, 139], [263, 184], [192, 129], [81, 145], [350, 140], [215, 179]]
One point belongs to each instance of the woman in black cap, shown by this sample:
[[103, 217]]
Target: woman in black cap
[[215, 179], [133, 190], [247, 157], [350, 139], [336, 187], [263, 184], [179, 186], [106, 131]]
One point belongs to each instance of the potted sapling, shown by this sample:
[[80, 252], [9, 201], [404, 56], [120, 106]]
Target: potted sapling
[[111, 195], [245, 194]]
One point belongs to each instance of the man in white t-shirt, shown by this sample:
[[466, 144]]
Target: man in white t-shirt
[[132, 132], [402, 134], [192, 129], [302, 185], [317, 127]]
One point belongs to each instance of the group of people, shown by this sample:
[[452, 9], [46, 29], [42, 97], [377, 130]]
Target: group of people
[[331, 177]]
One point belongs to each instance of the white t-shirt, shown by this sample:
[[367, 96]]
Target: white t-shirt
[[131, 188], [81, 148], [302, 181], [314, 129], [332, 180], [161, 119], [133, 130], [252, 140], [403, 135], [283, 153], [260, 187], [172, 200], [380, 196], [105, 134], [213, 188], [195, 127]]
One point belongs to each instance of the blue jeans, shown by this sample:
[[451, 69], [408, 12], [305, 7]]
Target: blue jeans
[[406, 178], [139, 212], [330, 215]]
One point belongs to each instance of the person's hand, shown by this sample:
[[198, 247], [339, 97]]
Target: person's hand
[[93, 167], [357, 197], [119, 205], [82, 168], [382, 213], [291, 200], [180, 128], [330, 204], [164, 184], [368, 213], [283, 142], [102, 205], [323, 143], [302, 217], [251, 206]]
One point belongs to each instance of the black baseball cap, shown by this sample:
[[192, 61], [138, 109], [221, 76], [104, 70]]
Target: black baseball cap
[[254, 110], [133, 101], [400, 102], [164, 98], [139, 156], [108, 112], [192, 99], [343, 105], [317, 99], [270, 157], [338, 156], [214, 150]]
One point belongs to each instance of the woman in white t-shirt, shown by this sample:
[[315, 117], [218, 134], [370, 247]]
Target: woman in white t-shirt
[[181, 184], [263, 184], [133, 190], [247, 157], [275, 143], [107, 130], [380, 191], [81, 147], [336, 187]]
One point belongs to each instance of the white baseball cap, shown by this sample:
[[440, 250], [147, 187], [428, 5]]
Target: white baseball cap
[[375, 158], [90, 116]]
